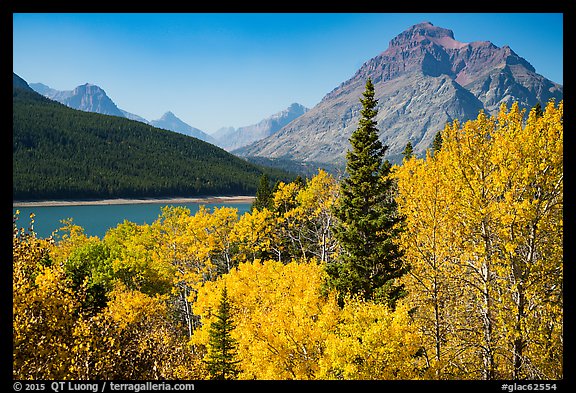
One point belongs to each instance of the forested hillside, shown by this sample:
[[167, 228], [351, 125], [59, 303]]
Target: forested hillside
[[61, 153]]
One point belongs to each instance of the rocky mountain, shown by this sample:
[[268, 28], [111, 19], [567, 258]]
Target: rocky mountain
[[86, 97], [92, 98], [231, 138], [169, 121], [424, 79]]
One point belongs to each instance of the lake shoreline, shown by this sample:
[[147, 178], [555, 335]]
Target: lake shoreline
[[132, 201]]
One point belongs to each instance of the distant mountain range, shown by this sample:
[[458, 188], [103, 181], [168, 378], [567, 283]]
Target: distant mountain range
[[424, 79], [63, 153], [92, 98], [231, 138], [169, 121]]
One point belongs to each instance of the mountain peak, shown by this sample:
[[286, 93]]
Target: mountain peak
[[294, 110], [428, 29], [88, 98], [169, 115], [89, 86], [295, 105], [89, 89], [425, 79], [426, 32], [175, 121], [169, 121]]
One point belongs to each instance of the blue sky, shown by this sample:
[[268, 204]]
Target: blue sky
[[216, 70]]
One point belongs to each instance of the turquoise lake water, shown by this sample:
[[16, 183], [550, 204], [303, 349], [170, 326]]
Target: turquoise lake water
[[97, 219]]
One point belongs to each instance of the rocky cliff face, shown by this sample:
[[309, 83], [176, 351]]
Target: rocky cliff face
[[86, 97], [424, 79], [92, 98]]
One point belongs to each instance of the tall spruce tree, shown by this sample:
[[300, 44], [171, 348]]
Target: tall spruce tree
[[264, 194], [367, 212], [408, 151], [538, 109], [437, 142], [220, 361]]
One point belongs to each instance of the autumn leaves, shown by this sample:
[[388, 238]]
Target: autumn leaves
[[481, 239]]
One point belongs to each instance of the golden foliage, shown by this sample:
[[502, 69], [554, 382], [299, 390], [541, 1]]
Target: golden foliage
[[280, 316], [484, 241], [482, 236], [370, 341]]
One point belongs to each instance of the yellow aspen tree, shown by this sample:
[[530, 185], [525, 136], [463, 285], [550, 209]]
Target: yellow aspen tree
[[280, 315], [502, 197], [136, 338], [315, 206], [427, 200], [469, 152], [256, 236], [370, 341], [133, 257], [289, 221], [94, 347], [284, 198], [43, 309], [183, 243], [220, 227], [68, 237], [530, 234], [305, 217]]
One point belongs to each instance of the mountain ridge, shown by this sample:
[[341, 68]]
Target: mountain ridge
[[92, 98], [169, 121], [230, 138], [424, 79], [63, 153]]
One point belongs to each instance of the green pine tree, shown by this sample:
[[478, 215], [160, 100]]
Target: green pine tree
[[437, 142], [220, 361], [408, 151], [368, 218], [299, 182], [264, 194], [538, 109]]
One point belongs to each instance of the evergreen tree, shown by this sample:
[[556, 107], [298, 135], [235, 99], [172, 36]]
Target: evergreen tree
[[264, 194], [367, 213], [408, 151], [538, 109], [437, 143], [299, 181], [221, 362]]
